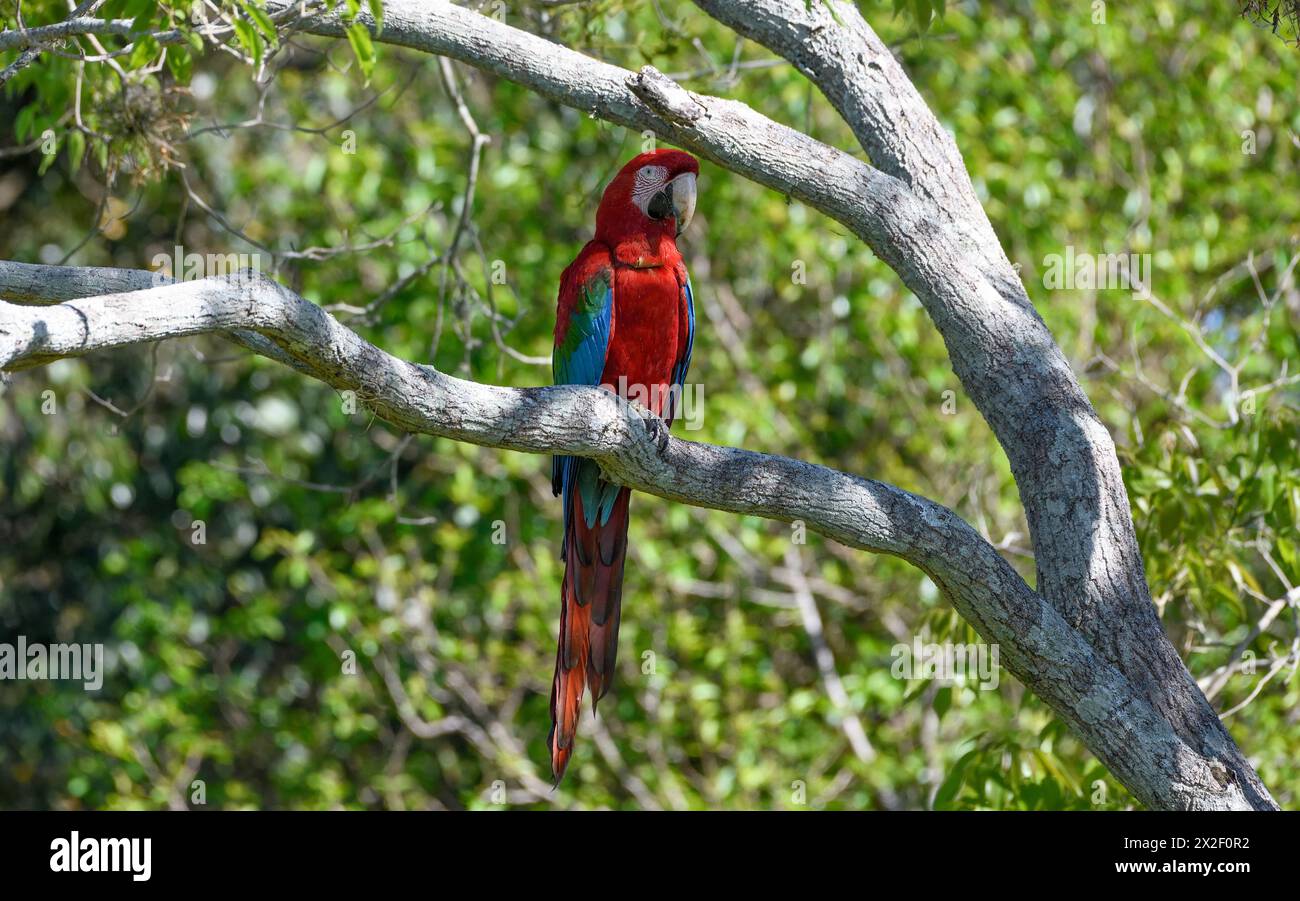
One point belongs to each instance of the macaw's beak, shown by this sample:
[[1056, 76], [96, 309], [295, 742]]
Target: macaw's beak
[[683, 196]]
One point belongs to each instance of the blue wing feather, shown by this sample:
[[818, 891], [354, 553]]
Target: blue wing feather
[[580, 360], [684, 364]]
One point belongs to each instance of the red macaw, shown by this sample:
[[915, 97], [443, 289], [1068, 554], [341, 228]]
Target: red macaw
[[625, 320]]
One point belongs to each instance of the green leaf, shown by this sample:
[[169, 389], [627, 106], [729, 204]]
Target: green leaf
[[144, 20], [76, 149], [922, 10], [260, 19], [180, 64], [24, 123], [249, 39], [943, 700], [359, 38], [146, 49], [952, 784]]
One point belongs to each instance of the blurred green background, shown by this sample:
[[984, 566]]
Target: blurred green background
[[1169, 130]]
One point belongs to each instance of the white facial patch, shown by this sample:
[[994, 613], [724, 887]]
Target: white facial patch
[[650, 180]]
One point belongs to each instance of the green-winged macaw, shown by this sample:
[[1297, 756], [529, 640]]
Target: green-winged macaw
[[625, 320]]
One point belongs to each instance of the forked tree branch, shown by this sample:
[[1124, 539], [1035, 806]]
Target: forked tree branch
[[918, 212], [40, 321]]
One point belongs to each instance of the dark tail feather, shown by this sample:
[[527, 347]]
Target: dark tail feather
[[590, 606]]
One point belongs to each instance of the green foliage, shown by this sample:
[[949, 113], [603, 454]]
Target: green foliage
[[329, 534]]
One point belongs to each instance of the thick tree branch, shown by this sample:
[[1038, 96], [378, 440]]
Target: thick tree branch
[[837, 50], [1085, 546], [1036, 643]]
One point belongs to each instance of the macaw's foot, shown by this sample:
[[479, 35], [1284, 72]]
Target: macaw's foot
[[655, 427]]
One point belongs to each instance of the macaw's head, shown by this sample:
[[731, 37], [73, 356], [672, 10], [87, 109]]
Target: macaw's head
[[652, 196]]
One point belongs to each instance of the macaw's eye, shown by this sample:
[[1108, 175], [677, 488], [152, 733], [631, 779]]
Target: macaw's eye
[[661, 206]]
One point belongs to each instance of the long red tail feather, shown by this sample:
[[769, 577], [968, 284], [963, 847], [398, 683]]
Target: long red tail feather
[[590, 606]]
